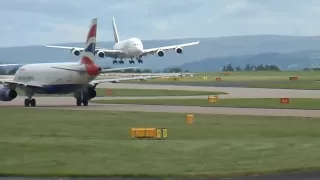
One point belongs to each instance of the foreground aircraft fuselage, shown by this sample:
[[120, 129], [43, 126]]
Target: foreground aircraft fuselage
[[52, 78]]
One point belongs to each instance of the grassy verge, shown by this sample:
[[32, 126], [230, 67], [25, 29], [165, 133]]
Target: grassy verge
[[64, 143], [306, 84], [142, 92], [153, 92], [267, 76], [245, 103]]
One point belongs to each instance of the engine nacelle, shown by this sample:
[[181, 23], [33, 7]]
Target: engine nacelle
[[92, 92], [75, 52], [160, 53], [7, 94], [179, 50], [100, 54]]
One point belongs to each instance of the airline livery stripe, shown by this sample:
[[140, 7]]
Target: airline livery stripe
[[91, 48], [92, 32]]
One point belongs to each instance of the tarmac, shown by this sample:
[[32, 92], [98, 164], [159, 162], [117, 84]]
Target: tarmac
[[61, 102]]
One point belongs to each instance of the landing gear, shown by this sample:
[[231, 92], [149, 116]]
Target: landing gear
[[131, 61], [83, 99], [29, 101], [139, 60], [116, 62]]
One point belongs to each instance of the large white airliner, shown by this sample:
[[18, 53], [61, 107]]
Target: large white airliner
[[60, 78], [127, 49]]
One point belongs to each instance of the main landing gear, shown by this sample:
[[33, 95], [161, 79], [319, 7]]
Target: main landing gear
[[116, 62], [29, 101], [130, 61], [83, 98]]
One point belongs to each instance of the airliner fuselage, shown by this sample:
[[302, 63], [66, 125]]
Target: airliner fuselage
[[131, 48]]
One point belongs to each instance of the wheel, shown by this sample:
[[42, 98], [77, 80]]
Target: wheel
[[26, 102], [32, 102], [85, 102], [79, 102]]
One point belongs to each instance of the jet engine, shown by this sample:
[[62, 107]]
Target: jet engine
[[100, 54], [92, 92], [160, 53], [75, 52], [179, 50], [7, 94]]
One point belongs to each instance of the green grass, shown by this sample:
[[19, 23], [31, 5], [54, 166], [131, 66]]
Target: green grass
[[74, 143], [142, 92], [241, 77], [303, 84], [278, 80], [153, 92], [245, 103]]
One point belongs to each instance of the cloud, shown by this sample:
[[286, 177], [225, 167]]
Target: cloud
[[29, 22]]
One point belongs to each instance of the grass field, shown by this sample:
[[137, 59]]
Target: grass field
[[74, 143], [142, 92], [245, 103], [243, 76], [251, 79]]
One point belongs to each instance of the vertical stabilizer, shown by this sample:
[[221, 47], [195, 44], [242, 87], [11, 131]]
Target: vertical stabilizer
[[115, 31], [88, 56]]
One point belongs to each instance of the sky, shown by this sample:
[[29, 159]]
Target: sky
[[34, 22]]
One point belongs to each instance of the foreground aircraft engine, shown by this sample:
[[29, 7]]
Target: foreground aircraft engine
[[160, 53], [7, 94], [179, 50], [100, 54], [76, 52], [91, 92]]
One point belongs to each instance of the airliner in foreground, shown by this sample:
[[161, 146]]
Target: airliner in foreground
[[127, 49], [60, 78]]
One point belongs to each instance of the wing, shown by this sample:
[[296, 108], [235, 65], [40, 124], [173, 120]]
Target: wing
[[102, 71], [117, 69], [96, 82], [166, 48], [12, 82], [4, 65], [107, 52]]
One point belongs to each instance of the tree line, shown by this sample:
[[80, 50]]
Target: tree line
[[251, 67]]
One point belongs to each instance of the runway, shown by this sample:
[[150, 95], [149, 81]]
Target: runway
[[69, 102]]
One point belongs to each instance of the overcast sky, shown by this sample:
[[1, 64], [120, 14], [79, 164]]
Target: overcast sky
[[30, 22]]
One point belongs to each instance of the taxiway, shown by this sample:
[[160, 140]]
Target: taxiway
[[60, 102]]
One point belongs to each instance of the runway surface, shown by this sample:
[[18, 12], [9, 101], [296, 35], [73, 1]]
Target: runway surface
[[60, 102]]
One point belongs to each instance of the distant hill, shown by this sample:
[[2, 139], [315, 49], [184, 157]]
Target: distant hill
[[209, 48], [285, 61]]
